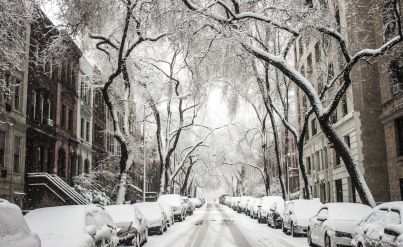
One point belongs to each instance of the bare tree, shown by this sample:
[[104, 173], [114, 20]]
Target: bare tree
[[117, 29], [293, 24]]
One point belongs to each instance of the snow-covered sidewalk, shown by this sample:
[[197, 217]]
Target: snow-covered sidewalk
[[215, 225]]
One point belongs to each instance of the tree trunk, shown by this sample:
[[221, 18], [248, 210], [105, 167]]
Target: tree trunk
[[276, 149], [357, 178], [187, 175], [121, 194]]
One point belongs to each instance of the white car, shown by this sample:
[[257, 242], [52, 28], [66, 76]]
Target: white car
[[264, 209], [169, 213], [297, 215], [335, 223], [197, 203], [133, 228], [383, 227], [73, 226], [14, 231], [176, 203], [276, 214], [243, 202], [255, 208], [155, 217], [235, 203], [249, 207]]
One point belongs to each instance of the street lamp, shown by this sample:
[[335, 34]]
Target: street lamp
[[144, 137]]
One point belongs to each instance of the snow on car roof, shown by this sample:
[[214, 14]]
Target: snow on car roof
[[397, 205], [62, 219], [267, 201], [121, 213], [148, 208], [347, 211], [307, 207], [171, 199]]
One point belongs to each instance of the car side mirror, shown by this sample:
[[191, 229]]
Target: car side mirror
[[290, 212], [393, 230], [321, 218]]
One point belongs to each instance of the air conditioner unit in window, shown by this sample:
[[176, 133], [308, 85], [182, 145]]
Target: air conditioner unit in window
[[50, 122], [397, 88]]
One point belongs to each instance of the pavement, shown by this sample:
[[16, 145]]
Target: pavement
[[216, 225]]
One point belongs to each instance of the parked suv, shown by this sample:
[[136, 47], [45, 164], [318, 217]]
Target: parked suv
[[176, 203]]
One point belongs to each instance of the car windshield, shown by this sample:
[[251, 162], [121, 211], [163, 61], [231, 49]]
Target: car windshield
[[172, 200], [306, 207], [149, 209], [121, 213], [350, 212]]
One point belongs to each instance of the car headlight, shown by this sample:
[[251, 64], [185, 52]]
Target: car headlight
[[343, 235]]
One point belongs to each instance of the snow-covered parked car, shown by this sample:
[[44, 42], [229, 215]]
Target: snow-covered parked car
[[264, 209], [154, 216], [276, 214], [131, 224], [14, 231], [297, 215], [243, 203], [335, 223], [255, 208], [169, 213], [73, 226], [382, 227], [197, 203], [235, 203], [249, 207], [188, 205], [176, 203]]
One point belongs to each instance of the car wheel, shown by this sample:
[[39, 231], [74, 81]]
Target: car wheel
[[309, 237], [283, 228], [328, 243], [293, 230], [259, 220]]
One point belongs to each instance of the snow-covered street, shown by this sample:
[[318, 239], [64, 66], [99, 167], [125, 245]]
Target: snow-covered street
[[217, 225]]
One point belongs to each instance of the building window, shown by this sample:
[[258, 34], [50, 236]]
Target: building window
[[87, 132], [2, 147], [396, 71], [339, 190], [17, 95], [344, 105], [347, 140], [337, 159], [70, 127], [34, 104], [63, 116], [82, 128], [86, 166], [17, 153], [399, 135], [308, 165], [314, 128], [61, 171]]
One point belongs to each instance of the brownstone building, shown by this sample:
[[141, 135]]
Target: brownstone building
[[51, 118], [391, 89]]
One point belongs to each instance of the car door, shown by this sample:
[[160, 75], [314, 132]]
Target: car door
[[393, 218], [317, 225], [288, 214], [373, 229]]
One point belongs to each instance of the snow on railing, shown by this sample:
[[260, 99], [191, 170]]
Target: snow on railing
[[62, 185]]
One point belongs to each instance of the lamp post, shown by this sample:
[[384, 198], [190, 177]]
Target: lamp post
[[144, 137]]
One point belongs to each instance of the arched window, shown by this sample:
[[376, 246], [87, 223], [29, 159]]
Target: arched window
[[86, 166], [61, 163], [80, 165]]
